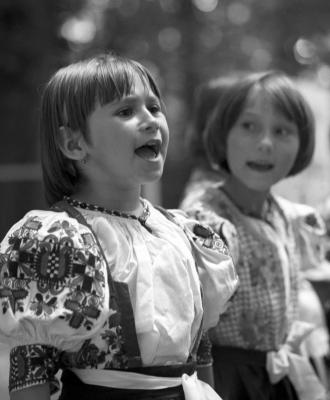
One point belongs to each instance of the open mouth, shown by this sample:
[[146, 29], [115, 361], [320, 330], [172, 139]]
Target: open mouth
[[149, 150], [261, 166]]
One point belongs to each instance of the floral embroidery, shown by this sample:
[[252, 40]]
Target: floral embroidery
[[12, 293], [54, 264], [210, 239], [116, 357], [33, 365], [83, 307], [88, 271], [42, 306]]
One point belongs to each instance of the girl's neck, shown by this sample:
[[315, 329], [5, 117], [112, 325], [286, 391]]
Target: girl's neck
[[119, 199], [250, 202]]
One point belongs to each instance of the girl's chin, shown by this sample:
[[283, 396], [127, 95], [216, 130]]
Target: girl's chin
[[152, 178], [265, 188]]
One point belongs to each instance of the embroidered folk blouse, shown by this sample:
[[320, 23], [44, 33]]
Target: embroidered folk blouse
[[54, 291], [269, 252]]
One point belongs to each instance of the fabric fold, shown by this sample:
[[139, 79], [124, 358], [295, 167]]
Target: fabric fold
[[194, 389], [288, 361]]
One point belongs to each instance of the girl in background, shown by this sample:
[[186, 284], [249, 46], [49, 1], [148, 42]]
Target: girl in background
[[103, 285], [261, 131]]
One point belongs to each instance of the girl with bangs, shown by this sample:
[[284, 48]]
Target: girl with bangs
[[260, 132], [104, 286]]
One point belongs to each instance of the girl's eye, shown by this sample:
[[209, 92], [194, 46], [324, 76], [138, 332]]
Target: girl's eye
[[283, 132], [154, 108], [249, 126], [125, 112]]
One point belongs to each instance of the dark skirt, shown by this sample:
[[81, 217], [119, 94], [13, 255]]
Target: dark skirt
[[241, 375], [74, 389]]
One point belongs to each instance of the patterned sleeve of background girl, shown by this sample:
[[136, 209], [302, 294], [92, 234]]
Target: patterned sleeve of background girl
[[224, 228], [53, 293], [311, 236]]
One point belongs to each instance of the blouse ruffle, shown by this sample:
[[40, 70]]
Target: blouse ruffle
[[54, 294]]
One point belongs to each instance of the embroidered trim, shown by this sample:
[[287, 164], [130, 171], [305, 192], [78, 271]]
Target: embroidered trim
[[32, 365]]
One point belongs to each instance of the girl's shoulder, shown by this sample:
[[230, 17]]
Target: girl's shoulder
[[204, 223], [48, 225], [301, 215]]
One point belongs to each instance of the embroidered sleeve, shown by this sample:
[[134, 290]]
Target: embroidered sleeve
[[215, 267], [311, 232], [53, 292], [33, 365], [224, 228]]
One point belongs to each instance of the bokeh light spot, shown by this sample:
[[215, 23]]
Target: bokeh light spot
[[238, 13], [169, 39], [304, 51], [206, 5], [77, 30]]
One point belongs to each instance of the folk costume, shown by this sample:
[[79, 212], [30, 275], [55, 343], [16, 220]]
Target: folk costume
[[113, 300], [256, 345]]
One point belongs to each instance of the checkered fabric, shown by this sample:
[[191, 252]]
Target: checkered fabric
[[262, 309]]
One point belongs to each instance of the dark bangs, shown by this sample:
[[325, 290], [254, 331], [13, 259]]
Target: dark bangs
[[285, 98], [115, 80]]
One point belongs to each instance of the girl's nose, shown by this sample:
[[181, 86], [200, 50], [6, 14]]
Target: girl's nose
[[149, 124], [266, 141]]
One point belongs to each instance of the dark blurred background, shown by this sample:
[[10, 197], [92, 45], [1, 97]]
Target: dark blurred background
[[183, 42]]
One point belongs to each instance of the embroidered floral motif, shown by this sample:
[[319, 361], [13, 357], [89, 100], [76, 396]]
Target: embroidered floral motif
[[88, 271], [84, 307], [115, 355], [63, 225], [33, 365], [13, 292], [210, 239], [54, 264], [43, 306]]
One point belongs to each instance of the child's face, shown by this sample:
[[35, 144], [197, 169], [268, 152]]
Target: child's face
[[129, 140], [262, 145]]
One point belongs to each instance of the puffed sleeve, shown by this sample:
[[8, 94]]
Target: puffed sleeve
[[311, 235], [53, 293], [215, 265], [224, 228]]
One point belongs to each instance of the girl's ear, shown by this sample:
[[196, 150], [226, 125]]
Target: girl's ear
[[72, 144]]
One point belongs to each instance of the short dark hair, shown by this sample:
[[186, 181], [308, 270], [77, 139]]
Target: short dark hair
[[69, 97], [287, 99], [206, 97]]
